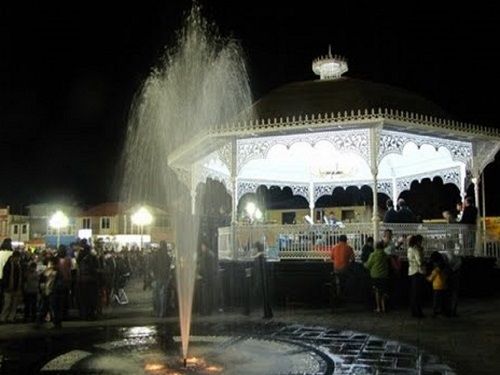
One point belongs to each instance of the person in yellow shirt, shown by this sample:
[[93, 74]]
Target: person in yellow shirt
[[438, 278]]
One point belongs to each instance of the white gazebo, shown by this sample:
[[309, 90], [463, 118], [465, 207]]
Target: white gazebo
[[333, 132]]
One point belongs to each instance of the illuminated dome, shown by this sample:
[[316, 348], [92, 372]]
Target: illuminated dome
[[340, 95], [333, 93]]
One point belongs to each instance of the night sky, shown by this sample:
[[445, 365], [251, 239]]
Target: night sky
[[68, 73]]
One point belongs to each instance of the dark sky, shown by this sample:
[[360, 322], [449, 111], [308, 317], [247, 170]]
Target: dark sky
[[68, 72]]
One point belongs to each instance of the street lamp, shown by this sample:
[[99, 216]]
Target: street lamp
[[254, 214], [58, 220], [141, 218]]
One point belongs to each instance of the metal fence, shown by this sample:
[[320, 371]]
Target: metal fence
[[309, 242], [492, 249]]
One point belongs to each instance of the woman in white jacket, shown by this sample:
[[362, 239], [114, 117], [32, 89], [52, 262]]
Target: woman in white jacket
[[416, 272]]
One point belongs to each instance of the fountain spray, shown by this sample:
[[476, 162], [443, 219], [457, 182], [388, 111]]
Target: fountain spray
[[200, 82]]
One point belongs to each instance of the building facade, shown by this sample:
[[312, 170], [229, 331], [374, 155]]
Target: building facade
[[112, 222]]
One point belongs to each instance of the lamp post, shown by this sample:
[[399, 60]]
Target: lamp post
[[254, 213], [58, 220], [141, 218]]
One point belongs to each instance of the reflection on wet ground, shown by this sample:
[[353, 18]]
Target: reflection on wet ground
[[215, 349]]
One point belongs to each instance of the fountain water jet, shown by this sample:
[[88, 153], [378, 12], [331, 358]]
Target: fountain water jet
[[201, 81]]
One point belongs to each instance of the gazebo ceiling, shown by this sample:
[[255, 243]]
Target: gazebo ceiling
[[339, 95], [324, 163]]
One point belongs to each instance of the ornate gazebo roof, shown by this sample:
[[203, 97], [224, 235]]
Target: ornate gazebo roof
[[340, 95], [369, 133]]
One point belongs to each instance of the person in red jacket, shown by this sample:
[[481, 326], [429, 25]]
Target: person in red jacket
[[342, 256]]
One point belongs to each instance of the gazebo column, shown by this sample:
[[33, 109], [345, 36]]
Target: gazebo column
[[483, 210], [311, 201], [234, 211], [394, 191], [463, 178], [234, 181], [374, 147], [476, 178]]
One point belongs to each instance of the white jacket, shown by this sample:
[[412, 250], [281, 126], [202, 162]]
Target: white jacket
[[415, 261], [4, 257]]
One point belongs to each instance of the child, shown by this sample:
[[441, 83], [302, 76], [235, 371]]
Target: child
[[49, 296], [378, 264], [30, 292], [438, 278]]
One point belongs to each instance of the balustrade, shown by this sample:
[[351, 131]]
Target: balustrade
[[314, 242]]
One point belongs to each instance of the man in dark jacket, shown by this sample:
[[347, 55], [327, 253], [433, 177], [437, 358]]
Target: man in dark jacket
[[12, 283], [87, 282], [405, 215], [469, 215], [391, 215]]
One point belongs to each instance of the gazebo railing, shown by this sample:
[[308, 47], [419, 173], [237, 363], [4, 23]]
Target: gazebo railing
[[492, 249], [309, 242]]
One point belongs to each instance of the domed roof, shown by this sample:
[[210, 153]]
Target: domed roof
[[339, 95]]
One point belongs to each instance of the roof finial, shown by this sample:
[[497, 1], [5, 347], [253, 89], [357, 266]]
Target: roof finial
[[329, 67]]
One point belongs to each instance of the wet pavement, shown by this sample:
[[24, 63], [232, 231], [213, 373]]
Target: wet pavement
[[350, 341], [270, 348]]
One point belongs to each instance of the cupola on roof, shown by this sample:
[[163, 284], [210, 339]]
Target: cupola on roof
[[333, 93]]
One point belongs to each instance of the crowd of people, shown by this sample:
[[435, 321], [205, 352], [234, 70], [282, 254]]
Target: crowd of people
[[45, 284], [382, 262], [463, 213], [48, 283]]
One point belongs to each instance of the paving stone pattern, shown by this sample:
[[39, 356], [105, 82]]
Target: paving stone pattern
[[358, 353]]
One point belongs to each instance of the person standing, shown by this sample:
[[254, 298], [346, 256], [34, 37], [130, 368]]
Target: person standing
[[162, 277], [391, 215], [5, 253], [342, 256], [367, 249], [416, 272], [405, 215], [51, 283], [31, 281], [469, 214], [454, 262], [63, 264], [438, 278], [378, 265], [87, 282], [469, 217], [13, 287]]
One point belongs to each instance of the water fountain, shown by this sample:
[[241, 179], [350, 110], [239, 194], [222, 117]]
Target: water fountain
[[200, 81]]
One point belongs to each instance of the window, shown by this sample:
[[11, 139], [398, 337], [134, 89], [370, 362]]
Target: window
[[348, 215], [16, 229], [105, 222], [162, 221], [25, 229], [86, 223]]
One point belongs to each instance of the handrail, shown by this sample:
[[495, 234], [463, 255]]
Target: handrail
[[313, 242]]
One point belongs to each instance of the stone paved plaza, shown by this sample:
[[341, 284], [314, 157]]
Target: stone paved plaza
[[358, 341], [359, 353]]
